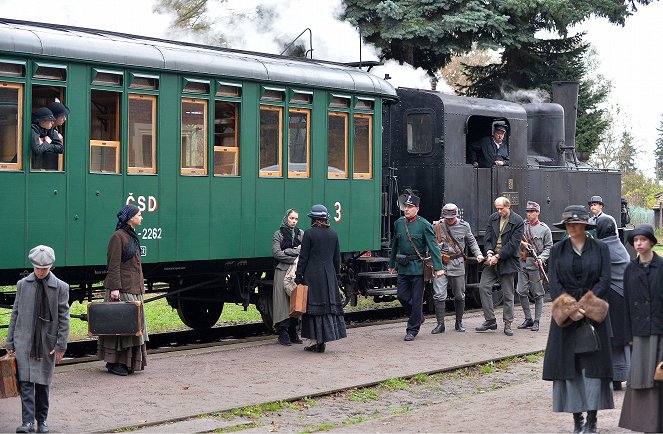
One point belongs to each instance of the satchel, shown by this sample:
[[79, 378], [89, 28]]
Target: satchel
[[8, 377], [446, 258], [402, 259], [587, 340], [658, 372], [429, 271], [298, 299]]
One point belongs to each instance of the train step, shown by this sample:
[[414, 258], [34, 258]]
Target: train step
[[376, 275], [381, 291], [373, 259]]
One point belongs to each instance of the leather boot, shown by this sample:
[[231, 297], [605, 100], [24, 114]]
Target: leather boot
[[507, 328], [535, 325], [439, 315], [459, 306], [489, 324], [577, 423], [284, 338], [590, 424], [293, 335]]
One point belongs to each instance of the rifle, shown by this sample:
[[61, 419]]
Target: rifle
[[539, 264]]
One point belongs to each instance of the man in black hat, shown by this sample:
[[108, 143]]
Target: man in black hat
[[596, 205], [44, 140], [413, 238], [491, 150], [502, 241]]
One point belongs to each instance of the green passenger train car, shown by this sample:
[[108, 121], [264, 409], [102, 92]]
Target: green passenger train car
[[213, 145]]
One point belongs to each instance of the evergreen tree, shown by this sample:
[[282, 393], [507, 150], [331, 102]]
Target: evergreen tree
[[658, 153], [627, 153]]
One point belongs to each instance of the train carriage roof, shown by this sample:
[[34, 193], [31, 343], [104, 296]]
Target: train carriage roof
[[89, 45]]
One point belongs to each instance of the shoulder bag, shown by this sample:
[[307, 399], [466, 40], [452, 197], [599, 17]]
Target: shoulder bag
[[427, 261]]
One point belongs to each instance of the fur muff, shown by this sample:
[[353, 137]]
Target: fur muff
[[565, 310], [594, 308]]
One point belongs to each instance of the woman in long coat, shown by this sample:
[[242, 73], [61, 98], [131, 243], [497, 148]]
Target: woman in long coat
[[286, 244], [319, 267], [619, 259], [581, 382], [642, 409], [124, 282]]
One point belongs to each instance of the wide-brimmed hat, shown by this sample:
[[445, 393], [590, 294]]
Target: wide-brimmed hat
[[644, 229], [595, 199], [319, 212], [449, 211], [575, 214], [42, 256]]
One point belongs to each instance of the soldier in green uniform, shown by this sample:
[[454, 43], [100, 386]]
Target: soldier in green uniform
[[404, 257]]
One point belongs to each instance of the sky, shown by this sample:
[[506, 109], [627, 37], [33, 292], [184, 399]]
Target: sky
[[625, 53]]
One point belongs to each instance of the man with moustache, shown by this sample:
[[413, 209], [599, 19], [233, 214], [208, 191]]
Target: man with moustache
[[492, 150]]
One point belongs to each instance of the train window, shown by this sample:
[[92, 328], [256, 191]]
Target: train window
[[147, 82], [108, 78], [11, 110], [362, 146], [42, 96], [226, 138], [337, 145], [364, 104], [196, 86], [10, 68], [301, 97], [299, 143], [339, 101], [271, 137], [50, 72], [141, 126], [228, 89], [419, 130], [194, 137], [270, 94], [104, 132]]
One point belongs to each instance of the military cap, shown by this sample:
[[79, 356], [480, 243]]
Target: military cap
[[645, 230], [532, 206], [412, 200], [319, 212], [58, 109], [43, 114], [42, 256], [595, 199], [499, 126], [575, 214], [449, 211]]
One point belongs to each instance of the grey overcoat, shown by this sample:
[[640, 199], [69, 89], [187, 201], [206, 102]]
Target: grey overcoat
[[283, 258], [54, 334]]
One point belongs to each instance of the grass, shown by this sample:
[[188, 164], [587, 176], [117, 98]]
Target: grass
[[240, 427], [394, 384], [364, 394]]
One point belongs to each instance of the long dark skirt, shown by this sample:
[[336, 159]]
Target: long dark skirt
[[323, 328]]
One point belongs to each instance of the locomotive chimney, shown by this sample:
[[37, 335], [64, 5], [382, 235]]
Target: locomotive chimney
[[565, 93]]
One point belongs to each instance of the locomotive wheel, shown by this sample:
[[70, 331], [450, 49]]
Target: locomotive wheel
[[197, 314]]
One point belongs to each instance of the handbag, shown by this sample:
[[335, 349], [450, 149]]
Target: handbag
[[658, 372], [587, 341], [8, 377], [298, 298]]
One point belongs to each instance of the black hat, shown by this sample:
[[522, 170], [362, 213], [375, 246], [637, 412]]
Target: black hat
[[412, 200], [499, 126], [319, 212], [575, 214], [645, 230], [595, 199], [42, 114], [58, 109]]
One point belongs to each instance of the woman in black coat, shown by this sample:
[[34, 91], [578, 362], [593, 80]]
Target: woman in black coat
[[643, 296], [581, 382], [318, 267]]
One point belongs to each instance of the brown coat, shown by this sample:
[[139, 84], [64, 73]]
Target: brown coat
[[125, 276]]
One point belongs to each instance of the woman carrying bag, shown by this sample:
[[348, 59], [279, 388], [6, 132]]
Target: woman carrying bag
[[581, 375]]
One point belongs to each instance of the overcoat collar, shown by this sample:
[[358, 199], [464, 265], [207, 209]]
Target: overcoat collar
[[642, 276], [52, 282]]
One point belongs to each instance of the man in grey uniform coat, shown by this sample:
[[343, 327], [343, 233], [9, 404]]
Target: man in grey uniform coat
[[537, 238], [37, 335], [453, 234]]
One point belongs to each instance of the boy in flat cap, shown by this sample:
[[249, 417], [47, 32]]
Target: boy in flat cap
[[534, 247], [413, 236], [492, 150], [37, 335]]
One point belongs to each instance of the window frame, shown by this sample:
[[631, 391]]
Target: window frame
[[228, 149], [264, 173], [143, 170], [346, 117], [108, 143], [19, 138], [419, 112], [363, 175], [307, 174], [194, 170], [60, 97]]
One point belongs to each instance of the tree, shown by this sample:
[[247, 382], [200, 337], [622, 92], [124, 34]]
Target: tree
[[639, 190], [627, 153], [658, 153]]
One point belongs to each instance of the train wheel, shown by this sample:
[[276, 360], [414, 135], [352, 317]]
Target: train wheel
[[198, 314]]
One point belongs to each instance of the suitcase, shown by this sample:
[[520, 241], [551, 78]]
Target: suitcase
[[298, 298], [8, 377], [115, 318]]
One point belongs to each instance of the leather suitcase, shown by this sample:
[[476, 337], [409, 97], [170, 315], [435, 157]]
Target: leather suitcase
[[298, 298], [115, 318], [8, 377]]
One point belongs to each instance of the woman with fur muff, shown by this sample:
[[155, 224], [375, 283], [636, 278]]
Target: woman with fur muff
[[642, 409], [579, 272]]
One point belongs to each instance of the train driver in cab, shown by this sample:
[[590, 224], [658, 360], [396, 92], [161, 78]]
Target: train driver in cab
[[491, 150]]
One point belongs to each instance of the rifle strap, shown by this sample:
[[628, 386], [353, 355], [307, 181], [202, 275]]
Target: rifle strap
[[452, 241]]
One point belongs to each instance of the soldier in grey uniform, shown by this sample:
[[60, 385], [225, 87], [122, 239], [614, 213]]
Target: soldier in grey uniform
[[453, 234], [596, 205], [538, 238]]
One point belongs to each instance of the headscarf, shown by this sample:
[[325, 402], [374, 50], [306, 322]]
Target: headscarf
[[290, 238], [619, 257], [126, 214]]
